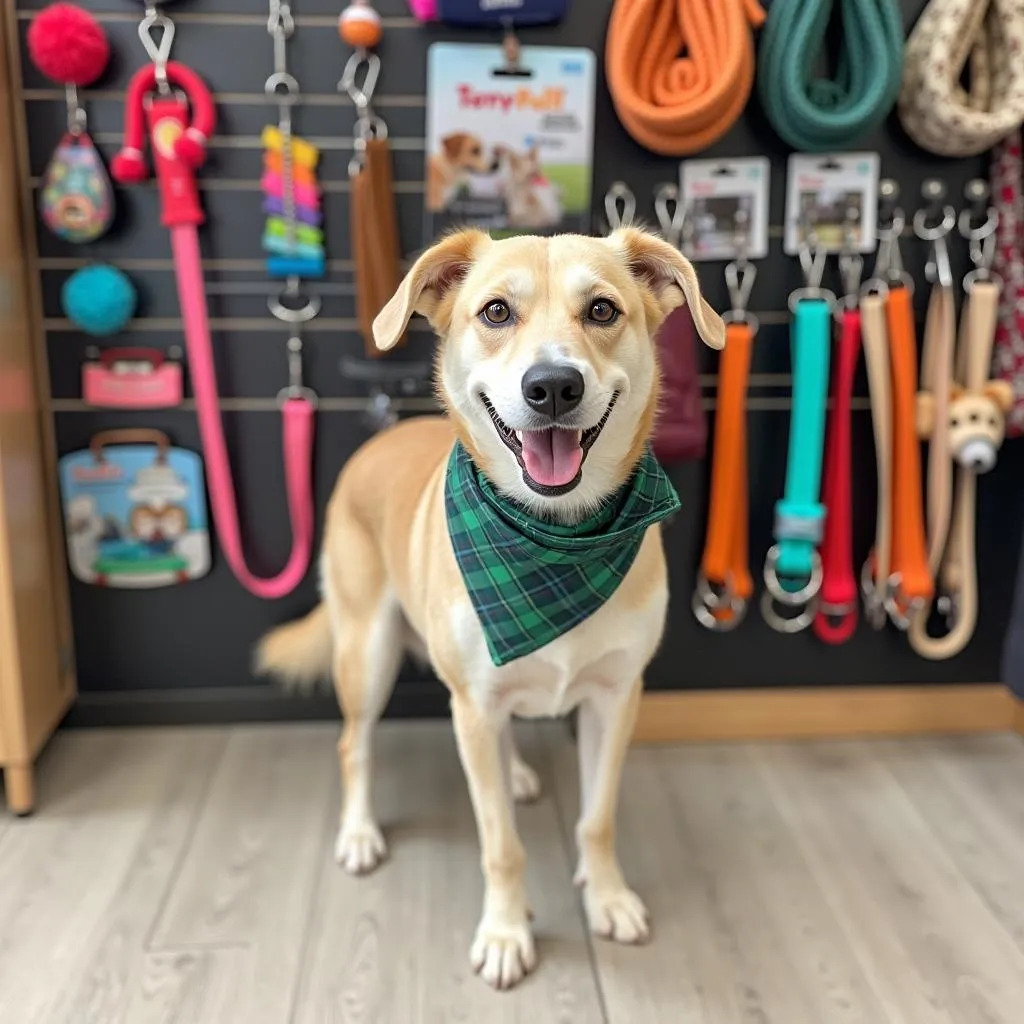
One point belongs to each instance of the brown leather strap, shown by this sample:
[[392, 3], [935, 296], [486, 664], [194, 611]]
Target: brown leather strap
[[375, 246]]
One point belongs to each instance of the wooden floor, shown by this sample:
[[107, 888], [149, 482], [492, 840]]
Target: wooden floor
[[186, 876]]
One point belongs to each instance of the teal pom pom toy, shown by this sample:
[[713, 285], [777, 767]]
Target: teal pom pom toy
[[99, 299]]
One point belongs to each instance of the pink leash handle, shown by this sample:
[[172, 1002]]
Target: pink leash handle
[[297, 432]]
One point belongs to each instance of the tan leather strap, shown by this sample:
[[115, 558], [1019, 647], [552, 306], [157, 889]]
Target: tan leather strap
[[375, 246], [933, 408], [972, 431], [130, 435], [938, 114], [875, 339], [725, 585]]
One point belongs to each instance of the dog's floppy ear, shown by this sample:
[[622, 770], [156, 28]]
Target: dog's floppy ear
[[452, 144], [670, 277], [432, 276]]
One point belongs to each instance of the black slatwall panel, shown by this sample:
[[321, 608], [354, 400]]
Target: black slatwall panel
[[183, 652]]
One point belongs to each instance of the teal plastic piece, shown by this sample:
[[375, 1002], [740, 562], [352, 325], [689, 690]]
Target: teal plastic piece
[[810, 344]]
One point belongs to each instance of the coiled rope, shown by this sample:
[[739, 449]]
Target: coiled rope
[[819, 114]]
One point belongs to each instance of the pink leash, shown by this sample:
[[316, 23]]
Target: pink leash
[[178, 148]]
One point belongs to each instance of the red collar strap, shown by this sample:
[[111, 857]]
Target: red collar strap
[[836, 619], [1008, 263]]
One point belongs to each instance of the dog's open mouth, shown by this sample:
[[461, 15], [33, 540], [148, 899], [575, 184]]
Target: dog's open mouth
[[551, 459]]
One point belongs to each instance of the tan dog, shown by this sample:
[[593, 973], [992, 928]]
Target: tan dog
[[533, 202], [460, 155], [583, 307]]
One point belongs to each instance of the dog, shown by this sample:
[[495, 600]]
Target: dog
[[461, 154], [547, 369], [532, 201]]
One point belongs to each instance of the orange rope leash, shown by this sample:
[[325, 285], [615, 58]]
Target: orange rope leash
[[680, 71]]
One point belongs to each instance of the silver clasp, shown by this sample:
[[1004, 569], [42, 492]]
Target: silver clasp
[[158, 52], [981, 239], [619, 206], [937, 269], [672, 214]]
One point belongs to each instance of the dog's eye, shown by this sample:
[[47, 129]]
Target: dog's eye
[[496, 313], [602, 312]]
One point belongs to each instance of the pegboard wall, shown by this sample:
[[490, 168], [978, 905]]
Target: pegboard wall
[[183, 653]]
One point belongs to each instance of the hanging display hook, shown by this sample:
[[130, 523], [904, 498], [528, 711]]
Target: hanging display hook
[[158, 50], [981, 238], [933, 223], [672, 214]]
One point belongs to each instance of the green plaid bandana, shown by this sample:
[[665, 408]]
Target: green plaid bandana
[[530, 581]]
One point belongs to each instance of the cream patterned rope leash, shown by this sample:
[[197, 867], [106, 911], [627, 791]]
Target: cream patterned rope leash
[[987, 38]]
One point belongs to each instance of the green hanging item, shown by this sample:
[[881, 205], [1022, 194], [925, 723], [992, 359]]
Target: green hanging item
[[821, 114], [530, 580]]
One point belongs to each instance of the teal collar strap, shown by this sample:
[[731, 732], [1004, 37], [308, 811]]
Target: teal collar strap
[[793, 568], [530, 580]]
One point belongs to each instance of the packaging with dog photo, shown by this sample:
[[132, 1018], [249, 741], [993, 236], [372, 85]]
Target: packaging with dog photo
[[509, 150]]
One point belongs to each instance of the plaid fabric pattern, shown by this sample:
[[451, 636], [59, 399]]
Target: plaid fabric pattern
[[530, 581]]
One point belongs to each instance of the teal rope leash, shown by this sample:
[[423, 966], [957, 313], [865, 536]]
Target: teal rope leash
[[820, 114]]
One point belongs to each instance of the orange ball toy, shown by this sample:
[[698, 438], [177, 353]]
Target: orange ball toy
[[359, 25]]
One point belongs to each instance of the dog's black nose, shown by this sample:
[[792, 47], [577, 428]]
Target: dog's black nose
[[552, 389]]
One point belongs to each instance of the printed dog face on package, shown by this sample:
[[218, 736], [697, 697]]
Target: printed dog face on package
[[509, 152]]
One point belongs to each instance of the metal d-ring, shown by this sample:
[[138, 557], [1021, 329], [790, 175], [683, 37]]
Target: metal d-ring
[[899, 618], [706, 602], [791, 598], [289, 315], [282, 88], [797, 624]]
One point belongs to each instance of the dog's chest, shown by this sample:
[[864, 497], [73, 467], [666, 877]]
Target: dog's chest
[[605, 653]]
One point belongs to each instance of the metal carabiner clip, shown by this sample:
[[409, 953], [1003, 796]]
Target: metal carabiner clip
[[671, 213]]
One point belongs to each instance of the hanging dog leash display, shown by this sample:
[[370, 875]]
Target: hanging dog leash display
[[836, 618], [967, 428], [724, 584], [174, 104], [792, 568], [376, 252]]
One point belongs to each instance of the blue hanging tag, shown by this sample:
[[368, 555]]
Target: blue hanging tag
[[134, 514], [501, 12]]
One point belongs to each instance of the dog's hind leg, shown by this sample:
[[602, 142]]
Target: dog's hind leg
[[368, 629], [524, 780]]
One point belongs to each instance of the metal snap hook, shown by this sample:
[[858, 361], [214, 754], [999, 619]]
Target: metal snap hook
[[360, 95], [619, 205], [671, 213]]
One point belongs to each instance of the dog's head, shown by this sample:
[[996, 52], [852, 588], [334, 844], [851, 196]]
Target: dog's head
[[466, 151], [547, 363], [518, 168]]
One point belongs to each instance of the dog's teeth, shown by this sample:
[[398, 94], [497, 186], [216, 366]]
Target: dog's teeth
[[519, 435]]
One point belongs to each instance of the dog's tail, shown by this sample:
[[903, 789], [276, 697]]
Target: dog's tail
[[298, 653]]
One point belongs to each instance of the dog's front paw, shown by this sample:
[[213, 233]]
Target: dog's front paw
[[525, 782], [617, 913], [359, 848], [503, 954]]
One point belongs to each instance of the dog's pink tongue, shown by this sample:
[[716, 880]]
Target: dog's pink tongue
[[552, 457]]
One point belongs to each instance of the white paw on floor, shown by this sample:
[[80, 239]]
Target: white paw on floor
[[525, 782], [616, 913], [359, 848], [503, 954]]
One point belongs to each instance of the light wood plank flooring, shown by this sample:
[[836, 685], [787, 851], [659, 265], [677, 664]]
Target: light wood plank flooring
[[186, 877]]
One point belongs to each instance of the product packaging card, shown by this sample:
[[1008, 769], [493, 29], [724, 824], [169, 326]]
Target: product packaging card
[[726, 204], [509, 150], [832, 196], [135, 515]]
